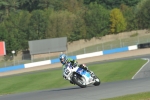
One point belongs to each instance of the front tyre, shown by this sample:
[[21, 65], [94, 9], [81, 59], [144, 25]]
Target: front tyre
[[97, 81], [79, 80]]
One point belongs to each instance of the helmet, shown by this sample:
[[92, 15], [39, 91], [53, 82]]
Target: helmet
[[63, 58]]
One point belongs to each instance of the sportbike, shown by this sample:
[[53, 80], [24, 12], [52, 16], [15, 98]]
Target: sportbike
[[80, 76]]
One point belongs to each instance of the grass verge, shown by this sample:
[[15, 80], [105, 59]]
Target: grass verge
[[51, 79], [139, 96]]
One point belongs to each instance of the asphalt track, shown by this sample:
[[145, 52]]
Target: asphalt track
[[144, 71], [140, 83], [105, 90]]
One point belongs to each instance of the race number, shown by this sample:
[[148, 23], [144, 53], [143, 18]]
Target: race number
[[67, 71]]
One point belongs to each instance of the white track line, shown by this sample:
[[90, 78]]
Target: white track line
[[141, 67]]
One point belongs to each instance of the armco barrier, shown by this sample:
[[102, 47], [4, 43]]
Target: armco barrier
[[57, 60], [134, 47], [90, 55], [35, 64], [82, 56], [94, 54], [105, 52], [10, 68]]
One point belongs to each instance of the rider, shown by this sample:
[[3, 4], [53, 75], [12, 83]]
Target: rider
[[64, 60]]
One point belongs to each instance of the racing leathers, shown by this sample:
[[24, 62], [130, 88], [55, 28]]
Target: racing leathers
[[74, 63]]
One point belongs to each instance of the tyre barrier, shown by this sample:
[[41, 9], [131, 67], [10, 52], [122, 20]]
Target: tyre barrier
[[143, 45]]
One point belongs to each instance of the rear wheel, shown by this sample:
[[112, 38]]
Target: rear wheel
[[79, 80]]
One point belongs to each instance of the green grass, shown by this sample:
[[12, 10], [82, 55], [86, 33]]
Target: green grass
[[51, 79], [115, 71], [139, 96]]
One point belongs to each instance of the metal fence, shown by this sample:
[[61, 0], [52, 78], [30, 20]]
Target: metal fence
[[113, 44], [117, 43]]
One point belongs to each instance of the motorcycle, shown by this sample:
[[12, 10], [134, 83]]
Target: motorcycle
[[80, 76]]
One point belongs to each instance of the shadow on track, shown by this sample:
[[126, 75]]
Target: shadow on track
[[71, 88]]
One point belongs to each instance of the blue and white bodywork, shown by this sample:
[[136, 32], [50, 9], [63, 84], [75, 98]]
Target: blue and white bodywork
[[79, 76], [86, 75]]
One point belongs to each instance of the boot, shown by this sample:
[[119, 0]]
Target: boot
[[71, 82]]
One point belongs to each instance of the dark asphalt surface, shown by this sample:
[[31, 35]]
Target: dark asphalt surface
[[105, 90], [144, 71], [140, 83]]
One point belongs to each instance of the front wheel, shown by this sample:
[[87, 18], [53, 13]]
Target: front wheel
[[79, 80], [97, 81]]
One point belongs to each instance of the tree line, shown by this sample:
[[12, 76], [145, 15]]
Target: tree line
[[25, 20]]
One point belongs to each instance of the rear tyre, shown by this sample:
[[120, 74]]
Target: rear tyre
[[79, 80]]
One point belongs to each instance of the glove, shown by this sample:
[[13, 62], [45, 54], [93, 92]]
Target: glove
[[75, 63], [72, 62]]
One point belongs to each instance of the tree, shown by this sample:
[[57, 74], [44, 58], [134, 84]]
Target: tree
[[23, 27], [3, 32], [129, 14], [73, 5], [9, 5], [11, 37], [32, 5], [79, 30], [131, 2], [77, 9], [117, 20], [110, 4], [29, 5], [60, 24], [97, 20], [37, 25], [53, 4], [143, 14], [14, 31]]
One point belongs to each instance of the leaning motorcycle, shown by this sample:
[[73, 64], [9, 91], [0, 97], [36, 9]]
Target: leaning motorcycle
[[80, 76]]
